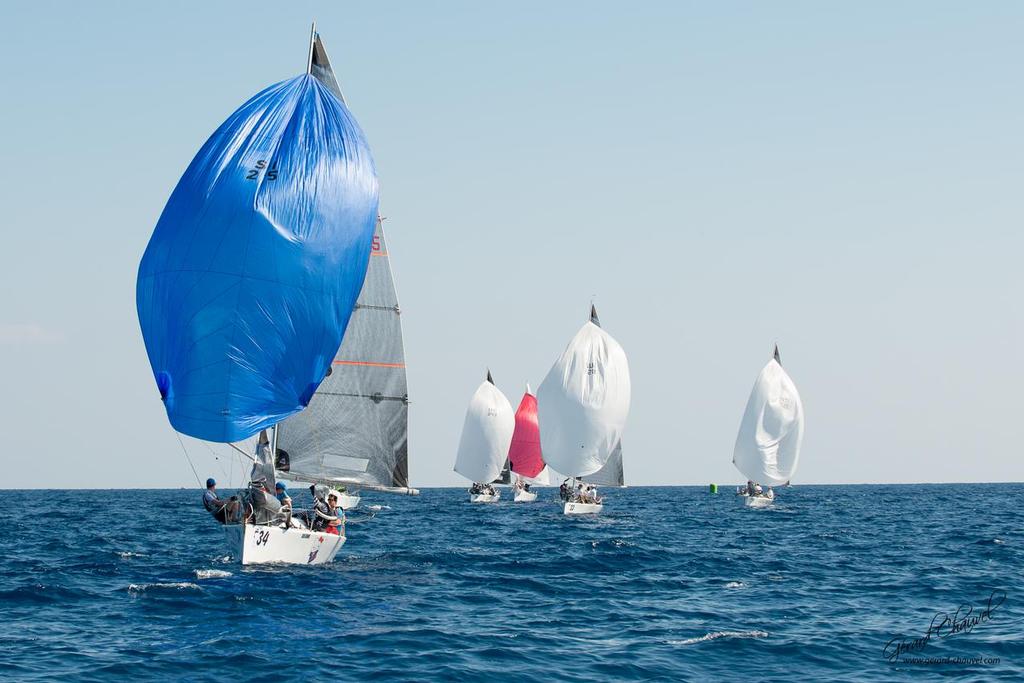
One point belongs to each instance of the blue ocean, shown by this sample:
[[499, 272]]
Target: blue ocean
[[860, 583]]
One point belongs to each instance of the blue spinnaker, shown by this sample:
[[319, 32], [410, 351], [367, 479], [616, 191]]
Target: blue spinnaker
[[249, 279]]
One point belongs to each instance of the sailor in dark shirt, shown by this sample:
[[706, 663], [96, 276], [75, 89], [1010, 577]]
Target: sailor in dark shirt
[[222, 510]]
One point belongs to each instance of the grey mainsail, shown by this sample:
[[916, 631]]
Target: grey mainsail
[[611, 473], [505, 476], [355, 429], [320, 66]]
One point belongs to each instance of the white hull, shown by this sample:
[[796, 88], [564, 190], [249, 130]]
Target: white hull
[[348, 501], [756, 501], [582, 508], [525, 496], [253, 544], [485, 497]]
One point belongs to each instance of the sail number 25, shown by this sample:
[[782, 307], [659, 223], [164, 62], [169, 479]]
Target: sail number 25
[[261, 165]]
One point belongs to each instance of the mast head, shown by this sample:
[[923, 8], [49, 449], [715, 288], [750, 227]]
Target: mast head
[[489, 378], [776, 355], [593, 315], [318, 64], [528, 389]]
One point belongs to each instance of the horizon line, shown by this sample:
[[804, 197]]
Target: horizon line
[[628, 486]]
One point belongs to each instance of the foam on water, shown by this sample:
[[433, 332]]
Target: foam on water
[[715, 635], [180, 585], [212, 574]]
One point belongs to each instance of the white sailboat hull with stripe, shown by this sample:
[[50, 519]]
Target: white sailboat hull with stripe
[[582, 508], [264, 544]]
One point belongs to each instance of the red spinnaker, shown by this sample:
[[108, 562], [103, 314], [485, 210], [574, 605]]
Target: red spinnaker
[[524, 456]]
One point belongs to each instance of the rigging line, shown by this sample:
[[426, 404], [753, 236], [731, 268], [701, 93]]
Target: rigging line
[[185, 451], [374, 307], [216, 457], [370, 396], [251, 458], [360, 519]]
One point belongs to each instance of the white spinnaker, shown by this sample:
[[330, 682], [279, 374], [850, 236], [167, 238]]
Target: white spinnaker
[[486, 434], [768, 443], [583, 403]]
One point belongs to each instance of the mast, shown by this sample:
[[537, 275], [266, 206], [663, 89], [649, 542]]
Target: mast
[[309, 57], [273, 444]]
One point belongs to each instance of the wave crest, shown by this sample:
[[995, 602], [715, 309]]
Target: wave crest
[[212, 574], [181, 585], [715, 635]]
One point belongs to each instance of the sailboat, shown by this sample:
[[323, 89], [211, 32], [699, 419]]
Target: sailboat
[[771, 431], [524, 454], [582, 406], [486, 436], [354, 433], [247, 284]]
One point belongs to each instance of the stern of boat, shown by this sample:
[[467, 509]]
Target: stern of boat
[[582, 508], [485, 497], [257, 544]]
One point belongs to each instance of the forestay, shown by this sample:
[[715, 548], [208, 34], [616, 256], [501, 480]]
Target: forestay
[[486, 434], [583, 402], [355, 430], [772, 429], [246, 286]]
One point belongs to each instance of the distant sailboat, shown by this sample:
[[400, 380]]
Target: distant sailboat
[[768, 443], [524, 455], [354, 434], [247, 284], [583, 404], [486, 436]]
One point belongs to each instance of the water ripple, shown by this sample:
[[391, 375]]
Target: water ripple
[[667, 584]]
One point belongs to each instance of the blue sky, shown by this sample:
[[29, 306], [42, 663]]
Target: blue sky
[[842, 180]]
